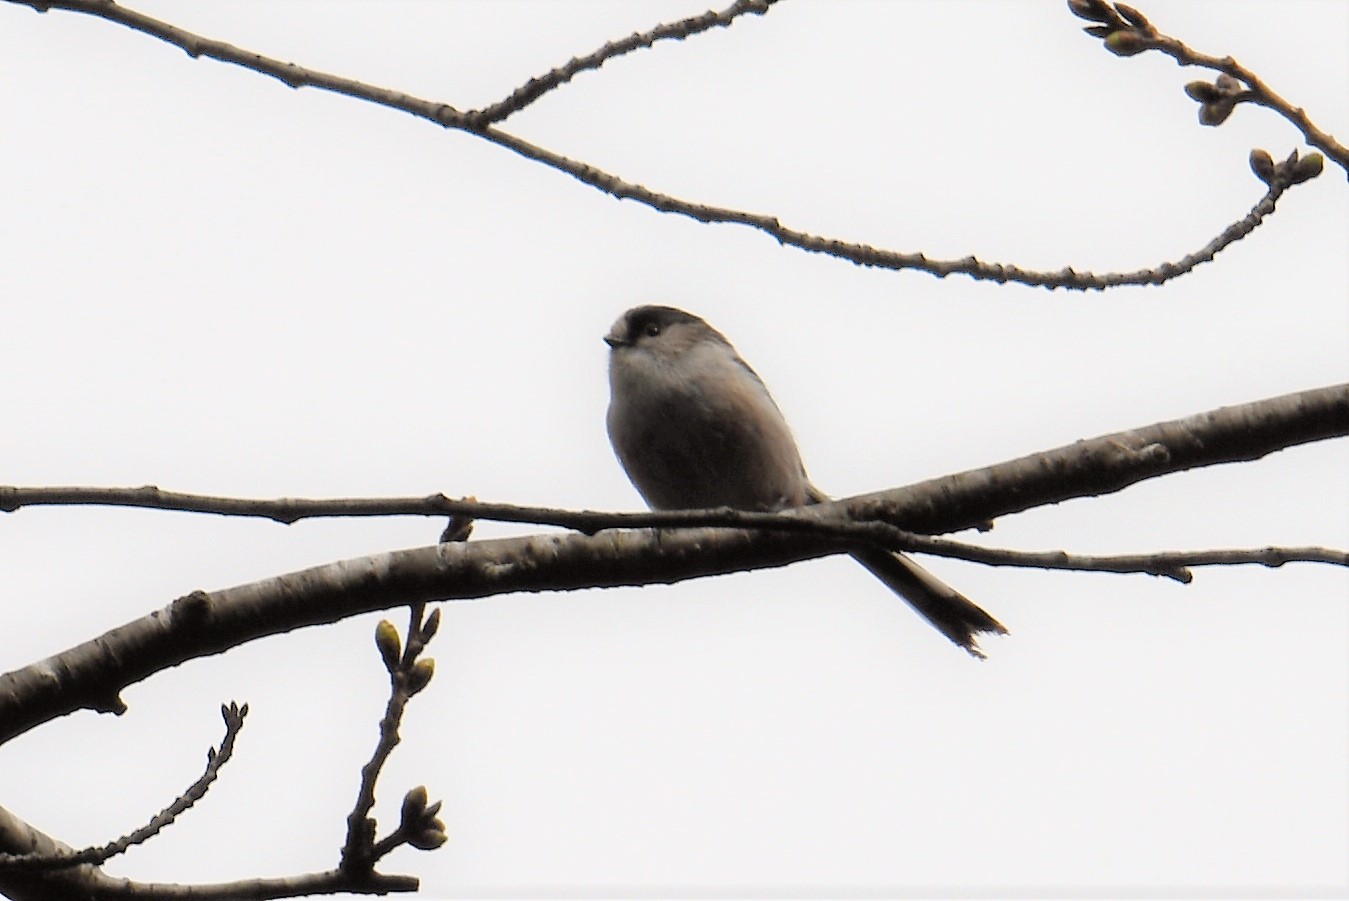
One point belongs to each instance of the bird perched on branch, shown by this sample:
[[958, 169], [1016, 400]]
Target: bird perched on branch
[[695, 427]]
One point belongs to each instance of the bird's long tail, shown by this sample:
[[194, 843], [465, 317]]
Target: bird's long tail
[[958, 618]]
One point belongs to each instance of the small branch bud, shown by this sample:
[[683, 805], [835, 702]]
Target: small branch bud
[[1307, 168], [1262, 164], [414, 805], [430, 837], [1202, 91], [431, 625], [1091, 10], [1126, 43], [420, 675], [1133, 16], [390, 648], [1216, 113]]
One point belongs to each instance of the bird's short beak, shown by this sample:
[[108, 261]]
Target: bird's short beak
[[614, 339]]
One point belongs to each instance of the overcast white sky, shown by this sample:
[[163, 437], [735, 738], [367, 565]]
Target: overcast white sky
[[216, 284]]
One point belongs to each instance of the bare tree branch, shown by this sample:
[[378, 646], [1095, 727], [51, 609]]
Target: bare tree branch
[[88, 882], [1110, 463], [92, 675], [18, 837], [233, 715], [537, 87], [1127, 32], [1088, 468], [408, 675], [810, 521], [1171, 564], [448, 116]]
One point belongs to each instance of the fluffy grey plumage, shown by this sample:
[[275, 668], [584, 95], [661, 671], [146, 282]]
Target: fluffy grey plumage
[[694, 426]]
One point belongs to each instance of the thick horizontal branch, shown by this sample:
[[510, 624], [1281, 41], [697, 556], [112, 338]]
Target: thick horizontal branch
[[1110, 463], [91, 675], [447, 116]]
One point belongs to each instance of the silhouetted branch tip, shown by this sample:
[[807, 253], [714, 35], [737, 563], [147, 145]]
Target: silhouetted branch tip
[[233, 714], [409, 674], [536, 87], [1126, 32]]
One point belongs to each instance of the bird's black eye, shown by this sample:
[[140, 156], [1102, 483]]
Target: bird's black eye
[[651, 329]]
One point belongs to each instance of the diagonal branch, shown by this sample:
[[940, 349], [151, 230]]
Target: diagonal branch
[[447, 116], [536, 87], [1127, 32], [92, 675], [1110, 463], [233, 715], [1261, 95]]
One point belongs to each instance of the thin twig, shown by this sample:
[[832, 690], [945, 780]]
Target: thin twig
[[1260, 94], [882, 534], [1127, 32], [536, 87], [233, 714], [1171, 564], [447, 116], [407, 676], [289, 510]]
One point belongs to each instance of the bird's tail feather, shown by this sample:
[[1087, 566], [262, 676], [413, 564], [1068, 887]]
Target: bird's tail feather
[[958, 618]]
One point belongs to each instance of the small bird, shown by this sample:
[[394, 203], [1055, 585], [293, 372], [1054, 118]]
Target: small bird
[[694, 427]]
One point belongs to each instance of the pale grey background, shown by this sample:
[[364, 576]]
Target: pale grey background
[[216, 284]]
